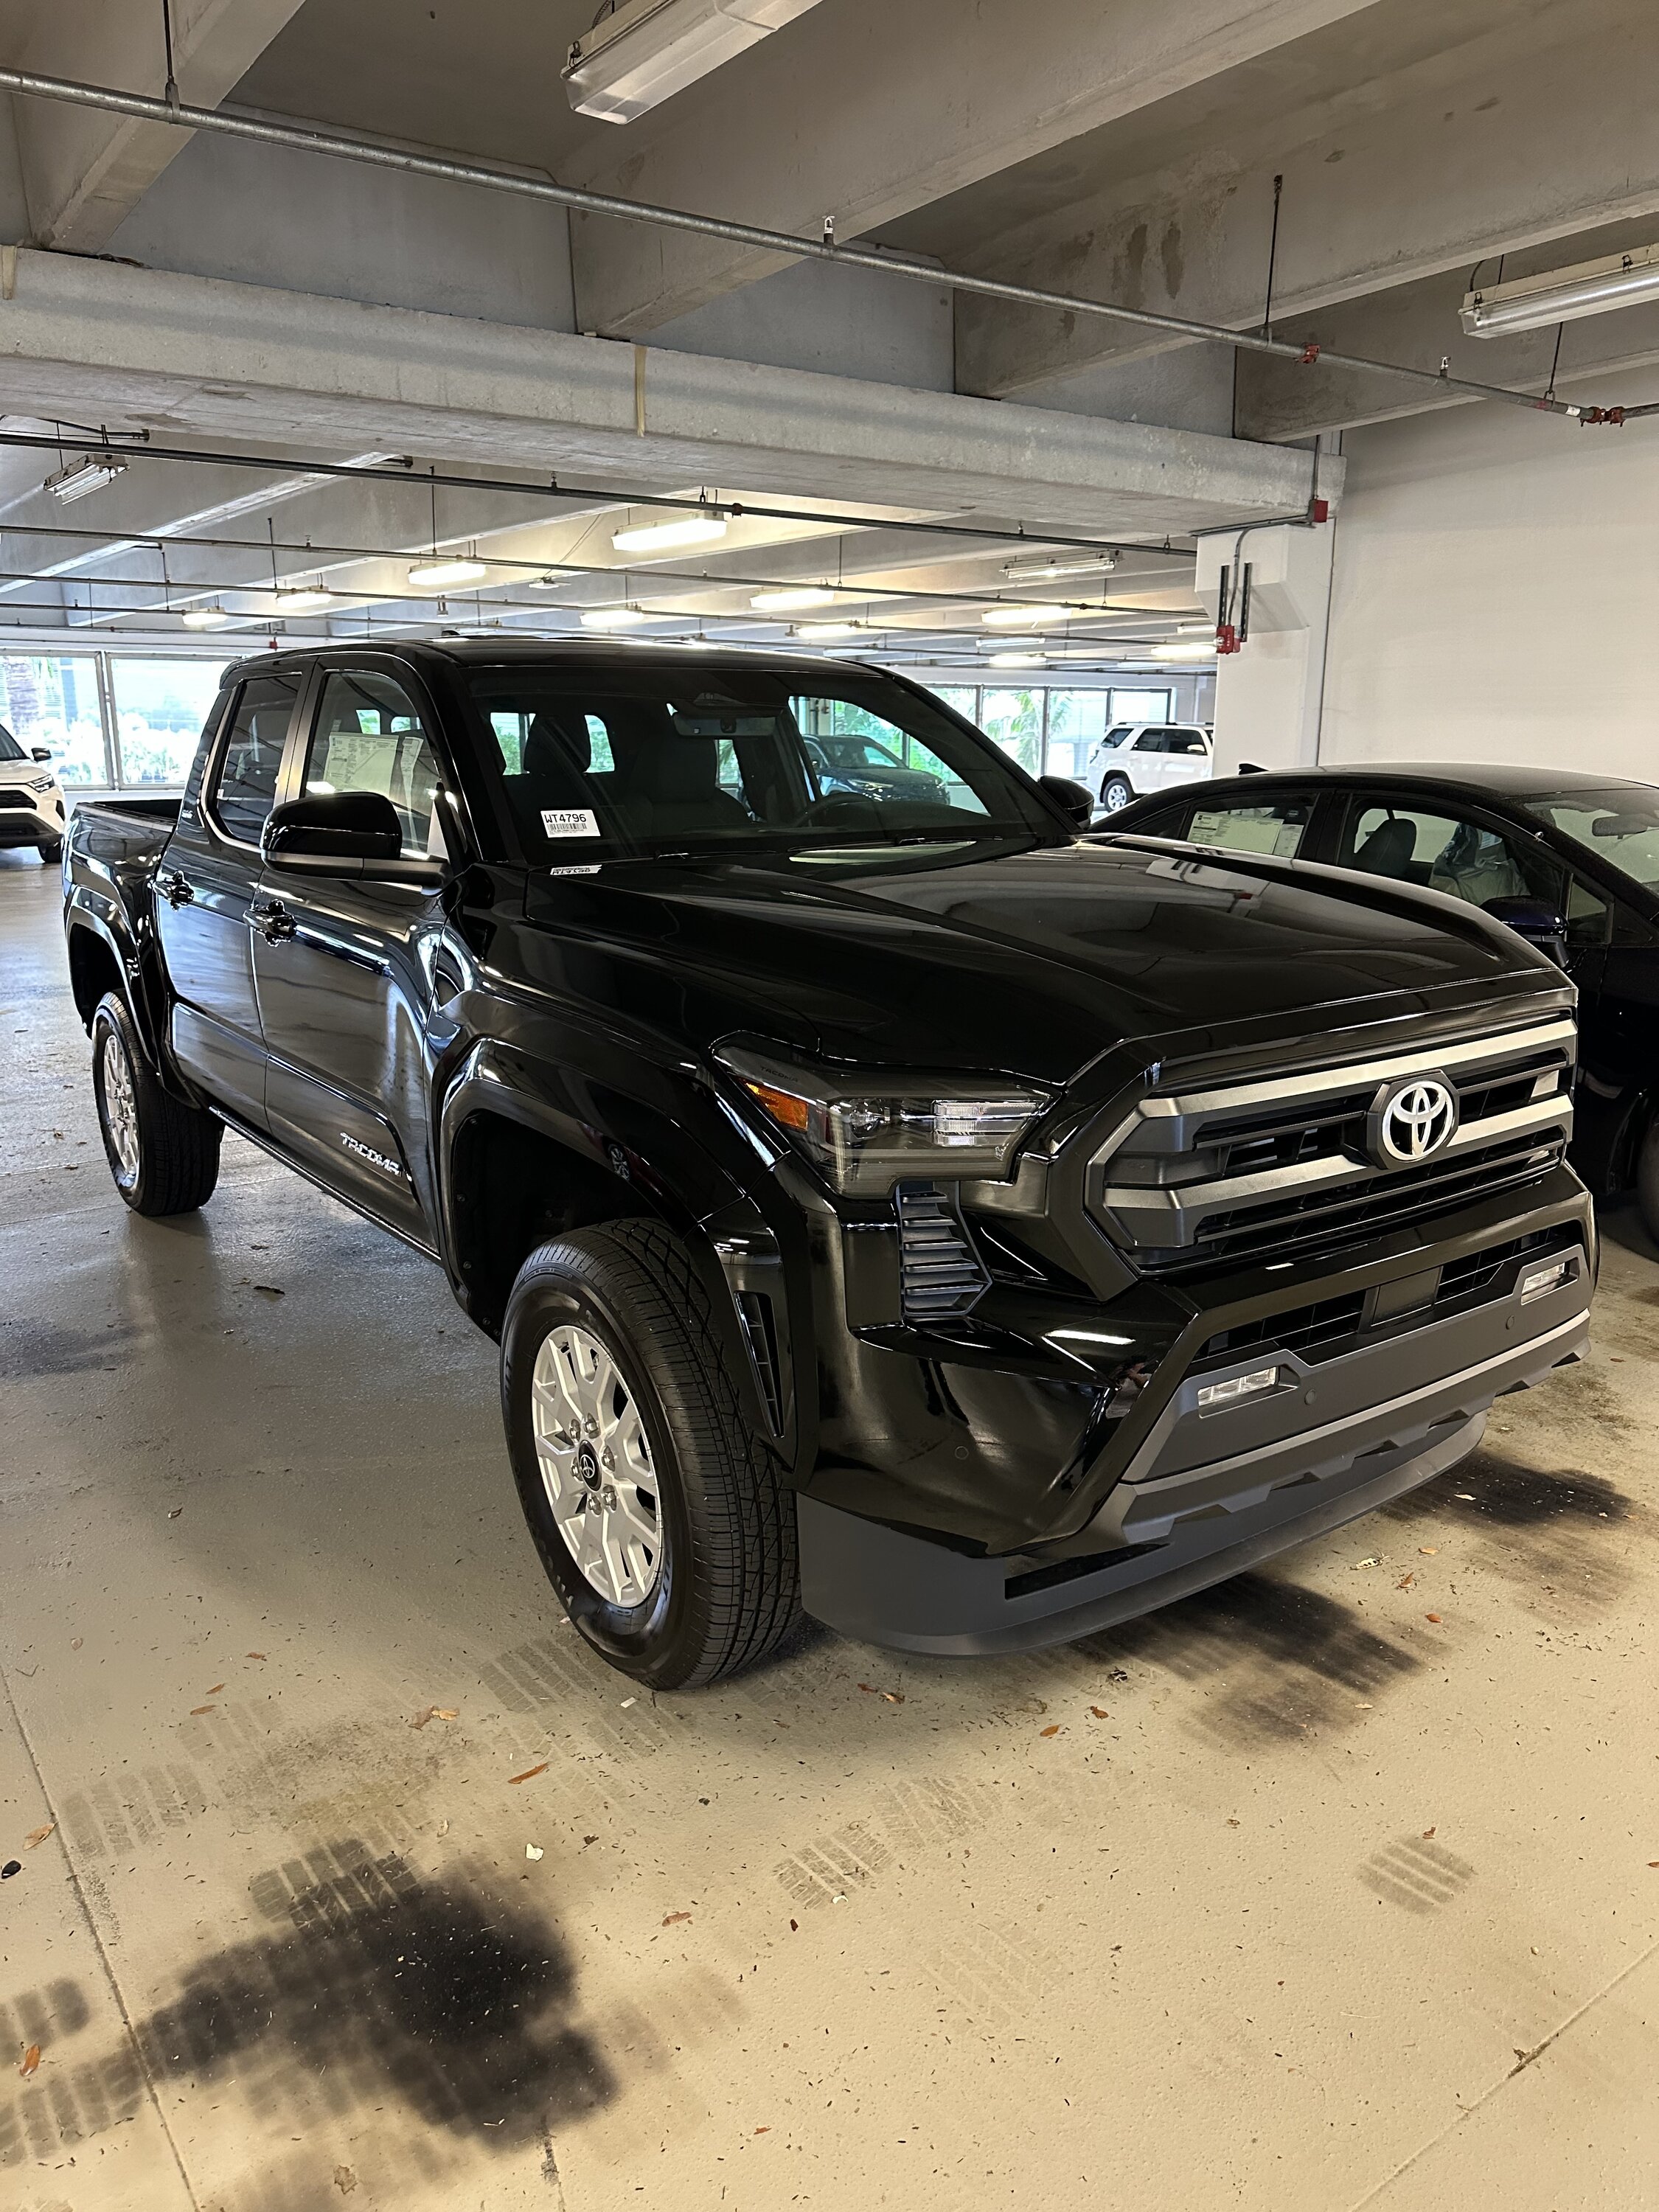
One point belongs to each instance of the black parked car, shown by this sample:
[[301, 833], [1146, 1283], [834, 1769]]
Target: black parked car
[[1572, 860]]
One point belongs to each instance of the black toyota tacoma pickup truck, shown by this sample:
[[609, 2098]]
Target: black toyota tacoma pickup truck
[[888, 1201]]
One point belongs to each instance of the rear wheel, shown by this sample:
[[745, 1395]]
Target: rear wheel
[[163, 1154], [1115, 795], [660, 1516]]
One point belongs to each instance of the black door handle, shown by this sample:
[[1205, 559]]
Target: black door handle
[[176, 890], [274, 922]]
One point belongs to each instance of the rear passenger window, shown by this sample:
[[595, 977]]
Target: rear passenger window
[[245, 787], [1277, 827], [1466, 859]]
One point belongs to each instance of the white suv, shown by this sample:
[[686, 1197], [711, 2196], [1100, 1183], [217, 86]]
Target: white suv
[[1135, 758], [31, 799]]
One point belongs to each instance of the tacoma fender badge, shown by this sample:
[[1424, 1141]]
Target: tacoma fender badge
[[375, 1159]]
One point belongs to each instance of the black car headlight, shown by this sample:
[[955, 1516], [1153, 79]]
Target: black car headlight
[[867, 1129]]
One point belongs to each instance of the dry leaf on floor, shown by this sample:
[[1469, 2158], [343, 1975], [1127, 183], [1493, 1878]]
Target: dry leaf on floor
[[195, 1711], [38, 1835], [271, 1290], [529, 1774], [874, 1690], [1053, 1728], [762, 2131], [794, 1925], [345, 2180], [1232, 1823], [437, 1713], [215, 1690], [674, 1919], [253, 1655], [31, 2061], [1427, 1833], [1434, 1617], [1405, 1582], [1100, 1712], [586, 1840], [1428, 1550]]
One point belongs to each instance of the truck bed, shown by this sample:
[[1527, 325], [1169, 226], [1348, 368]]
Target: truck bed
[[115, 829]]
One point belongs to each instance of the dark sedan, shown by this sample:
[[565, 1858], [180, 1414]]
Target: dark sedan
[[1571, 859]]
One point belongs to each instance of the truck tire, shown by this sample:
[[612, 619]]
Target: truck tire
[[1647, 1179], [661, 1519], [1115, 793], [163, 1154]]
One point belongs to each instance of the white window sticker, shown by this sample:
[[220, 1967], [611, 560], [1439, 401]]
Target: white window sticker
[[570, 822]]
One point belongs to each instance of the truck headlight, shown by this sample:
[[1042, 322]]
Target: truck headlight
[[866, 1129]]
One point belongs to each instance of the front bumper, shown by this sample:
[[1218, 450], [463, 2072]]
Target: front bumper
[[40, 822], [1206, 1495]]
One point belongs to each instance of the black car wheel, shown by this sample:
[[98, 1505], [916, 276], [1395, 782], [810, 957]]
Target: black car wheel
[[51, 852], [163, 1154], [1115, 793], [660, 1518]]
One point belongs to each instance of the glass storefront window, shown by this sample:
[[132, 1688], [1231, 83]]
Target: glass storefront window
[[1140, 706], [1076, 720], [160, 706], [1014, 720], [962, 702], [54, 701]]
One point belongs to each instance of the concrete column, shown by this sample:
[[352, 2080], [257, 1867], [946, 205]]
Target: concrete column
[[1268, 697]]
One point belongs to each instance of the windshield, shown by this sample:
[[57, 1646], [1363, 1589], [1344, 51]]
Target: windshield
[[612, 763], [1620, 824], [10, 748]]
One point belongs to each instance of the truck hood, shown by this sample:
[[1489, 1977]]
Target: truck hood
[[1033, 960]]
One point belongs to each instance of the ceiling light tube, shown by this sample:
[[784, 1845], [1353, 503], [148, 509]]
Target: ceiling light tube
[[788, 599], [1049, 571], [1017, 660], [1196, 650], [644, 50], [814, 632], [1562, 296], [443, 568], [1022, 617], [91, 473], [302, 599], [213, 617], [614, 618], [663, 536]]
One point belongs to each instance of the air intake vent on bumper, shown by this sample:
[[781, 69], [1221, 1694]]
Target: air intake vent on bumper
[[939, 1272]]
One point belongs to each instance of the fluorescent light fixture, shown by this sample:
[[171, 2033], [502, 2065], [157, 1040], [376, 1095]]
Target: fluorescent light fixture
[[614, 618], [663, 536], [1017, 660], [645, 51], [444, 569], [786, 599], [302, 599], [1562, 296], [1214, 1396], [1195, 651], [1023, 618], [1056, 565], [1195, 630], [817, 632], [205, 618], [90, 473]]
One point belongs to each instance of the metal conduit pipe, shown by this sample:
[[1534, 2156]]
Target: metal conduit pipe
[[310, 138]]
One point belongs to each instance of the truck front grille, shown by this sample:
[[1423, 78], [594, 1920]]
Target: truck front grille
[[940, 1271], [1250, 1167]]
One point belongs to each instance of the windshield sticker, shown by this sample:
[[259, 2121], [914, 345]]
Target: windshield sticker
[[570, 822]]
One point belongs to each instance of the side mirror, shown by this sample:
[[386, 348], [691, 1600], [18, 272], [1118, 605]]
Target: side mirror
[[40, 752], [1536, 921], [337, 831], [1075, 799]]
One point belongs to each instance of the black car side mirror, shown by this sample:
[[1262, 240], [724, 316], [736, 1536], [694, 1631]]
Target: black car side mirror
[[1536, 921], [1075, 799], [40, 752], [337, 831]]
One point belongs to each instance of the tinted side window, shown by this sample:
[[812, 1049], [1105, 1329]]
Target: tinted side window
[[370, 737], [1277, 827], [1417, 844], [1590, 917], [244, 786], [1152, 741], [1186, 741]]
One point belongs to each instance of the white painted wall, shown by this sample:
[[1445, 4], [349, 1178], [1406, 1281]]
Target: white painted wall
[[1497, 589]]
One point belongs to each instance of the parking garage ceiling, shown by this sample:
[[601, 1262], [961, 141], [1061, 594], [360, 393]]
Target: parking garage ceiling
[[216, 298]]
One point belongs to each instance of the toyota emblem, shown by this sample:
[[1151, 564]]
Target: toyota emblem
[[1411, 1120]]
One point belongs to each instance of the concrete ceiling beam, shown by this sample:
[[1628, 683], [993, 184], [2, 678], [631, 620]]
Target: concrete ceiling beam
[[908, 105], [1543, 126], [84, 171], [93, 340]]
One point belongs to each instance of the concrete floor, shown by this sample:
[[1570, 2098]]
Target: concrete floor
[[1336, 1887]]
